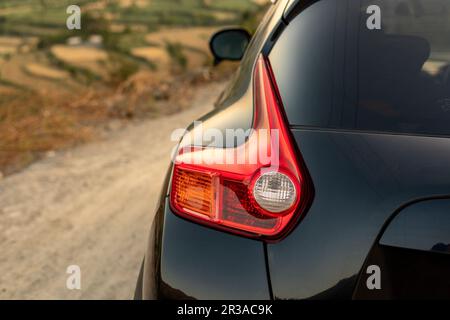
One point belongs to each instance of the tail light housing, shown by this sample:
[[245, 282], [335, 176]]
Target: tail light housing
[[261, 196]]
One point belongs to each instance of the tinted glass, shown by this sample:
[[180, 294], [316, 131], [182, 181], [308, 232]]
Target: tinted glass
[[302, 61], [230, 44], [403, 66]]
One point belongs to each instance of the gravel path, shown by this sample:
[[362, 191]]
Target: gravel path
[[91, 206]]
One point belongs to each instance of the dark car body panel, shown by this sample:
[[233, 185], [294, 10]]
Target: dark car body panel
[[365, 183], [360, 180], [194, 263], [413, 252], [186, 261], [407, 274]]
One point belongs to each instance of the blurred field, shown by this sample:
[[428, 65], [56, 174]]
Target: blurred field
[[57, 87]]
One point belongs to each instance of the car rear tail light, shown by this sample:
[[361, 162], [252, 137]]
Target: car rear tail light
[[275, 192], [263, 196]]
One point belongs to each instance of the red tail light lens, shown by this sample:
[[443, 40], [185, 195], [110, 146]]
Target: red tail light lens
[[261, 196]]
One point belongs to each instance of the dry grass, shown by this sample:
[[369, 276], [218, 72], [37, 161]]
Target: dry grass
[[10, 41], [25, 9], [130, 3], [153, 54], [16, 70], [7, 50], [31, 124], [97, 5], [42, 71], [88, 58], [197, 38], [192, 42], [7, 90], [195, 59], [75, 55], [261, 2], [10, 44], [117, 27], [224, 16]]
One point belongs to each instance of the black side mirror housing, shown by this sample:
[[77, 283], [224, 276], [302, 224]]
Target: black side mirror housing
[[229, 44]]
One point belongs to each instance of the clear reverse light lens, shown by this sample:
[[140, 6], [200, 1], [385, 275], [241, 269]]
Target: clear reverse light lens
[[274, 192]]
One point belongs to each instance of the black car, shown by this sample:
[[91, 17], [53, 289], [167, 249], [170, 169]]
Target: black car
[[353, 97]]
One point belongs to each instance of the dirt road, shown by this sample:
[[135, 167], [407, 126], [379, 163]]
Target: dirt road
[[90, 206]]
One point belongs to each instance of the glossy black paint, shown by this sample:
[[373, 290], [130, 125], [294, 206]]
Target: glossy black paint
[[406, 274], [362, 181], [188, 261], [197, 262], [413, 252]]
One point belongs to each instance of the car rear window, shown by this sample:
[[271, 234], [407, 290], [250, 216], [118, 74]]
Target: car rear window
[[302, 62], [404, 75], [375, 65]]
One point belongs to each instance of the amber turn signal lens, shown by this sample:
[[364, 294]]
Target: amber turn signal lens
[[195, 192]]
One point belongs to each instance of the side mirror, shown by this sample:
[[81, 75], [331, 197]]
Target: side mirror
[[229, 44]]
